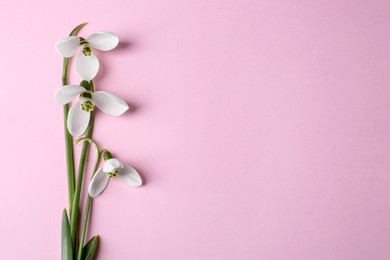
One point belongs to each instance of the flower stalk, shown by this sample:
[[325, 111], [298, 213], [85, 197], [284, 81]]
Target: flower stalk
[[68, 137], [79, 184], [88, 202], [86, 216]]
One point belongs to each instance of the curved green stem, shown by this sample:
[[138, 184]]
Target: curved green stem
[[76, 30], [68, 137], [91, 141], [86, 216]]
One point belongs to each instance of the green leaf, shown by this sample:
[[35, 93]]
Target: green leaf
[[66, 245], [90, 248]]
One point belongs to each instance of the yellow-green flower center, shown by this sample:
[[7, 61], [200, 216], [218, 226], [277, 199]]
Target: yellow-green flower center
[[85, 47], [113, 173], [87, 50], [87, 106]]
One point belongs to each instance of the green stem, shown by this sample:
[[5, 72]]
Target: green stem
[[79, 183], [86, 215], [68, 140], [68, 137]]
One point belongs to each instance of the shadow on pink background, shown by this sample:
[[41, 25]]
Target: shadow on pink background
[[261, 129]]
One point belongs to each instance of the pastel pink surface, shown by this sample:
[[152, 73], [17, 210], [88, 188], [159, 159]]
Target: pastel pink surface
[[261, 129]]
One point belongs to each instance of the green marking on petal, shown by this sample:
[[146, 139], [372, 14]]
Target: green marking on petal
[[87, 106], [113, 173], [85, 47], [87, 50], [83, 41], [86, 95]]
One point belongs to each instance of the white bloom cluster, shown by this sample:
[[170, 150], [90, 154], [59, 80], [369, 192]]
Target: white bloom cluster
[[87, 67]]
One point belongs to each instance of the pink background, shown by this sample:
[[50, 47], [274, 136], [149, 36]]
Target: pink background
[[261, 129]]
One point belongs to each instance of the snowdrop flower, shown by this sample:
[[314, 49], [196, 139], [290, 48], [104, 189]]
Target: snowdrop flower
[[86, 63], [80, 113], [113, 168]]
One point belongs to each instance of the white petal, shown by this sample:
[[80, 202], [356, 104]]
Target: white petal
[[98, 183], [86, 66], [109, 103], [68, 46], [130, 176], [103, 41], [112, 164], [78, 120], [67, 93]]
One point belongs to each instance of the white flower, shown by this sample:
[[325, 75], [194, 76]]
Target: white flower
[[86, 63], [80, 113], [113, 168]]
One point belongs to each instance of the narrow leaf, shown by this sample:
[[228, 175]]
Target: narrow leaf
[[66, 246], [90, 248]]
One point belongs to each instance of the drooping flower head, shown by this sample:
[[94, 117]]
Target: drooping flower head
[[80, 113], [86, 63], [113, 168]]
